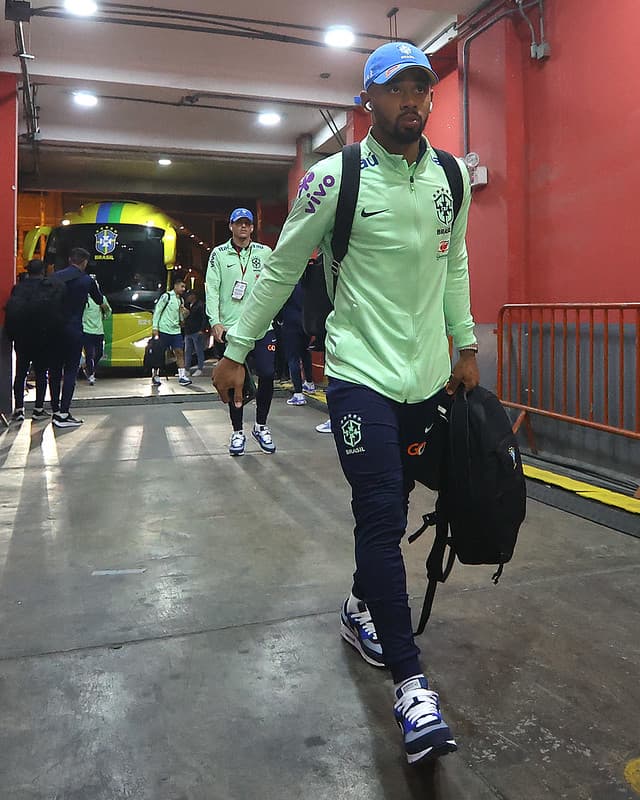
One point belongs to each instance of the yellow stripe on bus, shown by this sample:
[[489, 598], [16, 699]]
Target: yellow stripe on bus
[[605, 496]]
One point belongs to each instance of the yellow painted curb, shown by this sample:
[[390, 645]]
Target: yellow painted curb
[[632, 774], [605, 496]]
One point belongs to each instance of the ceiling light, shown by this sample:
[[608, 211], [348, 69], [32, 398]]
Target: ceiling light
[[164, 162], [339, 36], [66, 222], [85, 99], [269, 118], [83, 8]]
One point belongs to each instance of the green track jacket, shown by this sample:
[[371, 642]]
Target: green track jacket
[[226, 266], [93, 317], [166, 314], [403, 285]]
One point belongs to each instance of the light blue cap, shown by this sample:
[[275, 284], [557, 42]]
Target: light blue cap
[[390, 59], [241, 213]]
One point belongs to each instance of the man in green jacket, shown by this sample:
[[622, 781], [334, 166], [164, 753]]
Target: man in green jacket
[[168, 316], [403, 287], [232, 274], [93, 335]]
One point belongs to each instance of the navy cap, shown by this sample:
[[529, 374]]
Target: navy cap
[[241, 213], [390, 59]]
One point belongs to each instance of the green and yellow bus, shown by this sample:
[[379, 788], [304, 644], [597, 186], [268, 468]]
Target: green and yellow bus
[[133, 249]]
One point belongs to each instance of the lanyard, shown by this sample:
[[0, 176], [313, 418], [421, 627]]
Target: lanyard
[[243, 267]]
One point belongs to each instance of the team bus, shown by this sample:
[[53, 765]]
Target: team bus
[[134, 247]]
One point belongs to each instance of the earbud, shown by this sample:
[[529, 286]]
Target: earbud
[[430, 107], [367, 106]]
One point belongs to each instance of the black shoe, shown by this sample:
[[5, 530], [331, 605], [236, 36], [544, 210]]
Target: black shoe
[[40, 414], [18, 415], [66, 421]]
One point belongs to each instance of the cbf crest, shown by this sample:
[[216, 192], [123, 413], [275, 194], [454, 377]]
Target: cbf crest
[[106, 240], [255, 263], [444, 206], [351, 428]]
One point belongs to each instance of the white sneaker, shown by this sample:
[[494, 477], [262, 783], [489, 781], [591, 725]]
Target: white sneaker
[[155, 380], [298, 399], [197, 373], [417, 712], [184, 381], [262, 435], [66, 421], [91, 379], [237, 443], [308, 386], [324, 427]]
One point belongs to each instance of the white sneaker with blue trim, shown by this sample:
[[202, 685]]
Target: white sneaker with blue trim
[[417, 712], [237, 443], [357, 628], [262, 435]]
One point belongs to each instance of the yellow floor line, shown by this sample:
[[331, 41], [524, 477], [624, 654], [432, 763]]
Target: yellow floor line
[[632, 774], [584, 489], [605, 496]]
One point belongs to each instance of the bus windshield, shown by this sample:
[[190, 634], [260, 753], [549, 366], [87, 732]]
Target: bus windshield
[[126, 260]]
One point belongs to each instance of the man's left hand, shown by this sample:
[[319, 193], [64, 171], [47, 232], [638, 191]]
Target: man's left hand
[[465, 371]]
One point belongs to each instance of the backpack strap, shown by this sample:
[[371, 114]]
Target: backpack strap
[[454, 178], [437, 570], [346, 208], [164, 307]]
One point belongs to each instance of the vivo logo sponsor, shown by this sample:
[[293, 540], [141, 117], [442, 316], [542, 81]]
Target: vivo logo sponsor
[[314, 191]]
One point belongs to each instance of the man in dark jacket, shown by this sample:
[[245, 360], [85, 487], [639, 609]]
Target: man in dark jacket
[[67, 348], [296, 346], [193, 338], [31, 324]]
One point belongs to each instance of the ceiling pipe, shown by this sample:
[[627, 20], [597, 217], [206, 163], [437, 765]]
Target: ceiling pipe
[[221, 31], [28, 96], [465, 65]]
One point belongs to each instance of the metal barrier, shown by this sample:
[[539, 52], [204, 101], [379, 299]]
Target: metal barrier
[[574, 362]]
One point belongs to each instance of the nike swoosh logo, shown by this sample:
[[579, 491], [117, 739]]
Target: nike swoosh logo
[[364, 213], [426, 430]]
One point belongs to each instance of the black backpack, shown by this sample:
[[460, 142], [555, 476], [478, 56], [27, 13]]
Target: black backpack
[[481, 490], [36, 309], [317, 305]]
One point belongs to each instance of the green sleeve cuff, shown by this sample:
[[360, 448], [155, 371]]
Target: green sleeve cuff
[[236, 352]]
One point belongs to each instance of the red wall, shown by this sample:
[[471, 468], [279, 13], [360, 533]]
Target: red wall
[[583, 123], [8, 185], [443, 128], [559, 138]]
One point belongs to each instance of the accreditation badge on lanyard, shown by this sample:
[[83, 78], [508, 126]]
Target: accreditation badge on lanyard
[[240, 287]]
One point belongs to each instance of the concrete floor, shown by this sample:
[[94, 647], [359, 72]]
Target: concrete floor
[[215, 670]]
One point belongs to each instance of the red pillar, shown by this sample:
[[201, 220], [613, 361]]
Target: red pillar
[[497, 230], [358, 124], [8, 217]]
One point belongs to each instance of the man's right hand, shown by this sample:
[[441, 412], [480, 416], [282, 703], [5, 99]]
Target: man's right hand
[[218, 332], [229, 375]]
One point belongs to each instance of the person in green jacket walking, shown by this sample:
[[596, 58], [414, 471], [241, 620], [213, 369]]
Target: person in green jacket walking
[[403, 288], [168, 316], [93, 318], [233, 272]]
